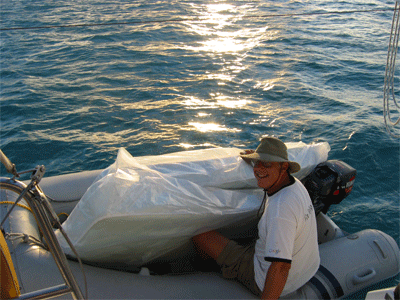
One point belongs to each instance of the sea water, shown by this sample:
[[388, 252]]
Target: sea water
[[80, 79]]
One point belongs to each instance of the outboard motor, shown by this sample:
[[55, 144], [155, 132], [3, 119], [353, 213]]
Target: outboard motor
[[329, 183]]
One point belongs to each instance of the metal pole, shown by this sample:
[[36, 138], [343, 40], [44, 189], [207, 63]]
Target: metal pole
[[52, 242]]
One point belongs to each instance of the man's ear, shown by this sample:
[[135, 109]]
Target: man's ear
[[285, 166]]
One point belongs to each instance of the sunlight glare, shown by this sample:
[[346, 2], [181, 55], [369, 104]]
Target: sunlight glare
[[229, 102], [210, 127]]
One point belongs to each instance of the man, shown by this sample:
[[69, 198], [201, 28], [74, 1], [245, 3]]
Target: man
[[285, 256]]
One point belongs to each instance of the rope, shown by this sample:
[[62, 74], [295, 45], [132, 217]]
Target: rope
[[388, 90], [26, 238], [18, 204], [178, 20], [22, 206], [262, 206]]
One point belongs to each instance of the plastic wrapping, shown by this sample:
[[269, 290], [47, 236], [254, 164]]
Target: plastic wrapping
[[141, 208]]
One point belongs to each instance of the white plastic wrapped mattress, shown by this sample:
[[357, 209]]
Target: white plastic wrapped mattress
[[141, 208]]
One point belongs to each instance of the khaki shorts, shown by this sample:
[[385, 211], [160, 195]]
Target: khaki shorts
[[237, 261]]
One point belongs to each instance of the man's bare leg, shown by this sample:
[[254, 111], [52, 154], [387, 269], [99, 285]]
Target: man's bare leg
[[211, 243]]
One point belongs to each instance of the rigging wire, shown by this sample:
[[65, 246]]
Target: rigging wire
[[178, 20], [388, 89]]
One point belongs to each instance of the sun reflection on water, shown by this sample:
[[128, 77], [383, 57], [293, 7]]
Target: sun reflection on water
[[209, 127], [224, 38], [218, 101]]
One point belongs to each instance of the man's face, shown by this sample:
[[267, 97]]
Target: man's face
[[266, 173]]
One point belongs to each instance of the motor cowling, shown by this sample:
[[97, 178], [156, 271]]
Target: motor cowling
[[329, 183]]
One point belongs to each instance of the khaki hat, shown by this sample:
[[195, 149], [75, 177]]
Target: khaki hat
[[272, 150]]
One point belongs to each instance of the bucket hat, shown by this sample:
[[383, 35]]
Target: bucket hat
[[272, 150]]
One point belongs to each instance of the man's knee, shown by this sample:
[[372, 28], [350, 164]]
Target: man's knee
[[211, 243]]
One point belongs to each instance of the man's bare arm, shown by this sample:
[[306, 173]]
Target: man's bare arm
[[276, 279]]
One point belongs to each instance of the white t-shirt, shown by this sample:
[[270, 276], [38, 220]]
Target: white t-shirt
[[288, 232]]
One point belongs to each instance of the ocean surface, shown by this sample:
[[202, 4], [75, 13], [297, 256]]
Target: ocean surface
[[80, 79]]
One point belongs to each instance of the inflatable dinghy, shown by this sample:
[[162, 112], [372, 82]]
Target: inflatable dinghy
[[131, 225]]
